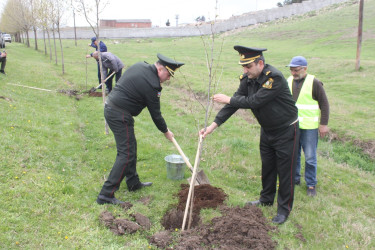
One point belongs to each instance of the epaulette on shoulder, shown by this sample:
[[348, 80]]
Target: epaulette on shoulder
[[242, 76]]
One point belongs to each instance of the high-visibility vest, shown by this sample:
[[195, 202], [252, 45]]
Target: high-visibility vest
[[308, 108]]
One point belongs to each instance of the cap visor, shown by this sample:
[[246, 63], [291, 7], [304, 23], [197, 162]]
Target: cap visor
[[245, 62]]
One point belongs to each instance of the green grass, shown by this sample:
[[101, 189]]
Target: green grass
[[55, 155]]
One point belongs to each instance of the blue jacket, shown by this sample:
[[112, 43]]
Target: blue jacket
[[103, 47]]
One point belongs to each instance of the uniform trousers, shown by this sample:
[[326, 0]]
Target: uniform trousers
[[121, 123], [3, 61], [279, 150]]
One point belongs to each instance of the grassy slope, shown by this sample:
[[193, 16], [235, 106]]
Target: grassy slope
[[55, 155]]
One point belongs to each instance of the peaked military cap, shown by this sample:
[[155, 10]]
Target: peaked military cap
[[169, 64], [248, 55]]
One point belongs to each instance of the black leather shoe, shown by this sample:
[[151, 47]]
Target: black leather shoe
[[279, 219], [139, 186], [258, 203], [107, 200]]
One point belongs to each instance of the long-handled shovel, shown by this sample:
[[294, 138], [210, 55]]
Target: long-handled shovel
[[201, 176], [95, 89], [192, 183]]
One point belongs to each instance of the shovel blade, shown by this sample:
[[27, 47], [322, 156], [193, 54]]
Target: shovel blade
[[200, 179]]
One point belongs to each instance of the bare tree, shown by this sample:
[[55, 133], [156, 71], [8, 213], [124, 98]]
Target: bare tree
[[33, 8], [43, 13], [91, 11], [74, 22], [212, 64], [17, 17], [59, 12], [52, 17], [8, 19]]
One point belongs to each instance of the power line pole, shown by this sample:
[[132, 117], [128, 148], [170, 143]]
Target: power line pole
[[176, 20], [359, 40]]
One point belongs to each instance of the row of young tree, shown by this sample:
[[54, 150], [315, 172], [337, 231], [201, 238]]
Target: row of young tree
[[19, 17]]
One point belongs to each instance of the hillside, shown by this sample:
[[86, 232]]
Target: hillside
[[56, 156]]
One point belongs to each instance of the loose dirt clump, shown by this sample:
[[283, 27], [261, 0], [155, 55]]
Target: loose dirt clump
[[123, 226], [142, 220], [71, 93], [161, 239], [126, 205], [238, 228], [368, 147], [106, 218], [95, 94]]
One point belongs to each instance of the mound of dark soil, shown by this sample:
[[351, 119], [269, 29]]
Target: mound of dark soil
[[205, 196], [237, 228]]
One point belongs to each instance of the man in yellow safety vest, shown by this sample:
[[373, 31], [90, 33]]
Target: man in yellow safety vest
[[313, 114]]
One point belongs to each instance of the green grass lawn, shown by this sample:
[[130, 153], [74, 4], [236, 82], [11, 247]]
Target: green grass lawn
[[55, 154]]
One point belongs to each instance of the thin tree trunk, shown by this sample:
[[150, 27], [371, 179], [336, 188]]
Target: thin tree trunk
[[36, 40], [75, 28], [54, 43], [44, 40], [49, 45], [27, 39], [61, 48]]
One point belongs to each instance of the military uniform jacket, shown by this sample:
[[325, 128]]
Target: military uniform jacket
[[139, 87], [268, 97]]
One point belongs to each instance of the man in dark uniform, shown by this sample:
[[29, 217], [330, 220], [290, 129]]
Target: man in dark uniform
[[139, 87], [264, 90]]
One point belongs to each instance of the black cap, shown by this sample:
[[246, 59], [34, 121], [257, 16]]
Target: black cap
[[248, 55], [169, 64]]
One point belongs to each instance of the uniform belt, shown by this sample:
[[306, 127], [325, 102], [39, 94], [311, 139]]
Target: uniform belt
[[294, 122], [117, 108]]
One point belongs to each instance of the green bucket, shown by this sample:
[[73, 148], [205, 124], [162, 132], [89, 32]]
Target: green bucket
[[175, 167]]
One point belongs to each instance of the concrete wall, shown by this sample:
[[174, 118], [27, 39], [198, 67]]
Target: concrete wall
[[234, 22]]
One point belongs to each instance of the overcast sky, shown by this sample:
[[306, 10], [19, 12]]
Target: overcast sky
[[159, 11]]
